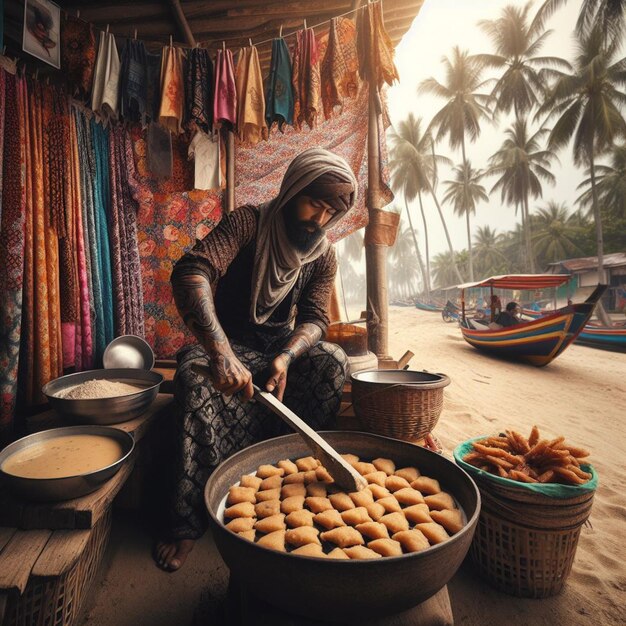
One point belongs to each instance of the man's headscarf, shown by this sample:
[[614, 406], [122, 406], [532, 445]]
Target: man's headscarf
[[277, 263]]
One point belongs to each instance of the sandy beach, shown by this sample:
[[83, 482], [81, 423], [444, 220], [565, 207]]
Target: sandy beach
[[581, 395]]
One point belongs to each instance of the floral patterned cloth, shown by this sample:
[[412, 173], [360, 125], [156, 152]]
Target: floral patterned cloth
[[172, 107], [306, 79], [78, 54]]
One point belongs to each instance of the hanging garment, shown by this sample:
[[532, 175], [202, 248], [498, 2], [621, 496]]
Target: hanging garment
[[279, 94], [251, 126], [205, 150], [134, 82], [372, 38], [11, 250], [78, 54], [172, 106], [306, 80], [225, 92], [106, 79], [153, 85], [199, 89], [339, 74]]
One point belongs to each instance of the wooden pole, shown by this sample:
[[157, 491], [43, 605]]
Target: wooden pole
[[230, 170], [182, 22], [375, 254]]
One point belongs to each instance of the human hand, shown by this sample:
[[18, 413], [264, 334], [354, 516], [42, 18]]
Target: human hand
[[277, 379], [229, 375]]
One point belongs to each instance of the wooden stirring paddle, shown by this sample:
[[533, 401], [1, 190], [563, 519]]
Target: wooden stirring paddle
[[342, 472]]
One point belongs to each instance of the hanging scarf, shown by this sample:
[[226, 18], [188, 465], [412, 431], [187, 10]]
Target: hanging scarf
[[78, 54], [134, 82], [339, 74], [372, 37], [106, 79], [199, 89], [153, 85], [250, 101], [172, 106], [277, 264], [225, 92], [279, 95], [306, 79]]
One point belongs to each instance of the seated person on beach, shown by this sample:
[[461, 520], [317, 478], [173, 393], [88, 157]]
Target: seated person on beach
[[510, 316], [255, 293]]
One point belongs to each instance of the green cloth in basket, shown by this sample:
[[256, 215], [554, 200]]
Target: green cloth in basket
[[551, 490]]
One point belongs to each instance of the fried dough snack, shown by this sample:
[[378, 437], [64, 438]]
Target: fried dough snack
[[532, 460]]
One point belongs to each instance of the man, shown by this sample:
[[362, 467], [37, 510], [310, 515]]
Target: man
[[255, 293], [510, 316]]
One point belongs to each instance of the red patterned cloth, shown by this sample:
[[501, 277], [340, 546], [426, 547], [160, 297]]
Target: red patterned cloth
[[78, 54], [306, 79]]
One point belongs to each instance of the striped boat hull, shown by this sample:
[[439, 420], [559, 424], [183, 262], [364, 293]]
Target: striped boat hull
[[604, 337]]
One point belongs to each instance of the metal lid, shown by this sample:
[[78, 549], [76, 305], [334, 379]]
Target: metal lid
[[128, 351]]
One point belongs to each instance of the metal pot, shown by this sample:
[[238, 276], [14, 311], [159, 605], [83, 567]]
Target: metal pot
[[104, 410], [341, 590], [56, 489]]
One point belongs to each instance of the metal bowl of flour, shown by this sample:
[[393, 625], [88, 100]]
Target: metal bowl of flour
[[104, 410]]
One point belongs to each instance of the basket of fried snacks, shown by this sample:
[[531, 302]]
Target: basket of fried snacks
[[536, 495]]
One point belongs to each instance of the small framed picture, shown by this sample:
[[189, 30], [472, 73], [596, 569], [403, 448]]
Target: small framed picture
[[42, 31]]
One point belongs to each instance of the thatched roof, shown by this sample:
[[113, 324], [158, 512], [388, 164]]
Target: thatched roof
[[214, 21]]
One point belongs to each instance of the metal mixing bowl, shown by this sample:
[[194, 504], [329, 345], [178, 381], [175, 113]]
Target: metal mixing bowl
[[338, 590], [104, 410], [56, 489]]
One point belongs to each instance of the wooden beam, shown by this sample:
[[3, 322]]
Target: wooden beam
[[182, 22]]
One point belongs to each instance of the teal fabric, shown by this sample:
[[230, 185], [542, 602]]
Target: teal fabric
[[551, 490], [279, 96]]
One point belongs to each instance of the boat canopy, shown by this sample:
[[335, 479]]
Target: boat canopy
[[520, 281]]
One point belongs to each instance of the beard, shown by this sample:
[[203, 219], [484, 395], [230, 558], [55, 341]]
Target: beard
[[304, 235]]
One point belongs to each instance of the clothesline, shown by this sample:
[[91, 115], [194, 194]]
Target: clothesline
[[263, 41]]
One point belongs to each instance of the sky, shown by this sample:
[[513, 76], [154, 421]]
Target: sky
[[440, 25]]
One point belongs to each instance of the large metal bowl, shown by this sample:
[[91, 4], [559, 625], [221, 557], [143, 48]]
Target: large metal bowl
[[328, 589], [104, 410], [56, 489]]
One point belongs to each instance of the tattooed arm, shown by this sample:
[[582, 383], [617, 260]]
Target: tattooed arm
[[194, 300]]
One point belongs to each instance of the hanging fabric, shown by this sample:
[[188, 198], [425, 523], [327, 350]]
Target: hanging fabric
[[11, 249], [306, 80], [134, 82], [199, 89], [251, 126], [279, 95], [106, 79], [153, 85], [225, 92], [172, 106], [78, 54], [372, 38], [339, 74], [204, 149]]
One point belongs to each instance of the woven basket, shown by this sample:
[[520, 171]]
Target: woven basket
[[403, 404], [525, 542]]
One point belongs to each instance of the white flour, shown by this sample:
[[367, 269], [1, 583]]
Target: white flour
[[99, 389]]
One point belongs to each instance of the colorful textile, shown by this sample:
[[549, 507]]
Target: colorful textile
[[41, 357], [205, 151], [134, 82], [225, 92], [306, 80], [106, 79], [372, 39], [11, 251], [199, 89], [339, 74], [172, 106], [279, 94], [250, 99], [129, 319], [78, 54]]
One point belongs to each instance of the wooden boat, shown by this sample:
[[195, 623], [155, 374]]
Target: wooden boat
[[428, 306], [538, 341], [603, 337]]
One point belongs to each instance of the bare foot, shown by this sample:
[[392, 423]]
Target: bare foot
[[171, 556]]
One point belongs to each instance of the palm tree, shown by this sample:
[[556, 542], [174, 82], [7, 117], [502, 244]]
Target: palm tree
[[445, 267], [608, 15], [464, 107], [413, 166], [554, 233], [464, 193], [610, 183], [587, 104], [517, 44], [489, 253], [521, 165], [404, 275], [350, 254]]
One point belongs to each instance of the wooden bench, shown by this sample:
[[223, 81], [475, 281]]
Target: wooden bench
[[50, 553]]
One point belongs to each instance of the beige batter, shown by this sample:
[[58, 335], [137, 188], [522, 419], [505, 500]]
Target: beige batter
[[61, 457]]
